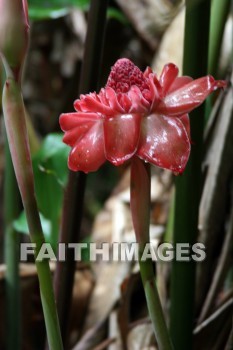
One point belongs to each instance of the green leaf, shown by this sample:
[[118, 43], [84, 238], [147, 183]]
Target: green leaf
[[40, 14], [50, 171], [52, 158], [21, 225], [51, 9], [117, 14]]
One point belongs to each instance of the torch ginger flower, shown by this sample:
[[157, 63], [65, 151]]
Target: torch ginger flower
[[135, 114]]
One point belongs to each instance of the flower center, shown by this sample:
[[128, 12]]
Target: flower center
[[125, 74]]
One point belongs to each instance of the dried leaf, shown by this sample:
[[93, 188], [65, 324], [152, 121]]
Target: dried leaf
[[213, 332], [171, 45], [150, 17], [140, 338], [216, 191]]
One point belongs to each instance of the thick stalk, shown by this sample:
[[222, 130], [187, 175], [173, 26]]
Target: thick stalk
[[74, 194], [188, 186], [14, 115], [140, 209], [219, 13], [11, 247], [11, 255]]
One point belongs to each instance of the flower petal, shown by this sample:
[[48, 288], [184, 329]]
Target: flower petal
[[88, 152], [124, 101], [91, 103], [147, 72], [111, 96], [155, 91], [164, 142], [121, 135], [138, 103], [76, 125], [72, 136], [168, 75], [72, 120], [188, 97], [179, 82], [186, 122]]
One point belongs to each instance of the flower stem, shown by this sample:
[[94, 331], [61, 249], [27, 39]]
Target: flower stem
[[14, 115], [74, 193], [140, 209], [154, 305], [188, 186]]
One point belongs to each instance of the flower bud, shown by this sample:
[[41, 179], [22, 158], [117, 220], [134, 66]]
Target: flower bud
[[14, 33]]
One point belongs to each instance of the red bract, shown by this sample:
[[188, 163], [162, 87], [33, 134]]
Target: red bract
[[135, 114]]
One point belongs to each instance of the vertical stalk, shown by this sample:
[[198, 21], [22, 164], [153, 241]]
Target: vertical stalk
[[140, 209], [14, 38], [11, 255], [74, 194], [11, 248], [14, 115], [219, 13], [188, 186]]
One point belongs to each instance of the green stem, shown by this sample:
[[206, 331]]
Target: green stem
[[188, 186], [219, 13], [11, 247], [11, 253], [140, 209], [14, 115], [154, 305]]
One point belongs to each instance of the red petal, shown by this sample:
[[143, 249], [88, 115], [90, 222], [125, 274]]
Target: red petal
[[72, 120], [164, 142], [188, 97], [88, 152], [185, 121], [155, 90], [125, 102], [112, 100], [179, 82], [168, 75], [91, 103], [121, 135], [138, 103], [72, 136], [147, 72]]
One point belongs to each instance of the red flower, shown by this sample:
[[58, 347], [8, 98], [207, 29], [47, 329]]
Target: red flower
[[135, 114]]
